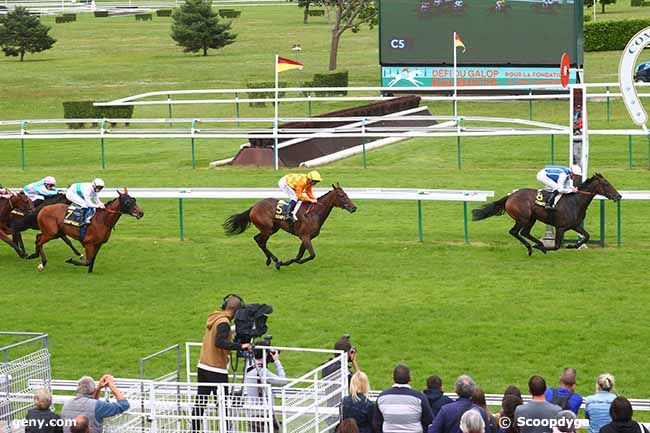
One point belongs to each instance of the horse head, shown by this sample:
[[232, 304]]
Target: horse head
[[342, 200], [128, 205], [21, 202], [603, 187]]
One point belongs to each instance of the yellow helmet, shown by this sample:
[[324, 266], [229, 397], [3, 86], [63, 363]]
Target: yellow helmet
[[314, 176]]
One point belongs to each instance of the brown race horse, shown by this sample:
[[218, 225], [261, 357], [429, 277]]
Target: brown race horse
[[8, 203], [311, 218], [569, 213], [50, 220]]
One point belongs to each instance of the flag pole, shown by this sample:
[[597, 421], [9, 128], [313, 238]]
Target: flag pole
[[453, 44], [275, 119]]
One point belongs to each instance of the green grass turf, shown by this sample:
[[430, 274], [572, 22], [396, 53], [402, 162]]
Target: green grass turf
[[441, 306]]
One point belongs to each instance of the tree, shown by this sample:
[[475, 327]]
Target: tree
[[305, 4], [347, 15], [22, 33], [196, 27], [590, 3]]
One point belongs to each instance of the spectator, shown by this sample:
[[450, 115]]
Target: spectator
[[509, 404], [351, 351], [565, 395], [448, 419], [347, 426], [80, 425], [401, 409], [85, 403], [435, 395], [512, 390], [536, 409], [478, 398], [597, 405], [566, 422], [356, 405], [256, 373], [622, 422], [472, 422], [40, 418], [215, 353]]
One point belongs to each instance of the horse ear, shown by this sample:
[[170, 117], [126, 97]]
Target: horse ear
[[333, 187], [126, 190], [338, 185], [119, 193]]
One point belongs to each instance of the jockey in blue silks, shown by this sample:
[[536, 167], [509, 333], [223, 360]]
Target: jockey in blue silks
[[559, 180]]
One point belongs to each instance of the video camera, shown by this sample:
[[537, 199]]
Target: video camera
[[250, 322]]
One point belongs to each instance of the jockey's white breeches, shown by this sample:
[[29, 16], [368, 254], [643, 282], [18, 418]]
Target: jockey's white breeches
[[282, 183]]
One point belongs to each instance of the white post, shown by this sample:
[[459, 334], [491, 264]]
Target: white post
[[584, 159], [275, 117], [453, 44]]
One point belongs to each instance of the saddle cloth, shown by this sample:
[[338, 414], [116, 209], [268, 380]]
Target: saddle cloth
[[542, 197], [281, 210], [74, 216]]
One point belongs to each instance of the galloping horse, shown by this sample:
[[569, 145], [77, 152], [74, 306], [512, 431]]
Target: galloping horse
[[50, 220], [20, 223], [8, 202], [310, 220], [569, 214]]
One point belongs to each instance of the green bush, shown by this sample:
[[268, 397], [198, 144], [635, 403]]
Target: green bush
[[101, 14], [164, 13], [229, 13], [316, 12], [611, 35], [65, 18], [70, 17], [86, 110], [331, 79], [636, 3], [264, 95], [143, 17], [588, 18]]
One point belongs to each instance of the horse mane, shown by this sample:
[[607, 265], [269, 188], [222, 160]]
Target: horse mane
[[587, 182], [324, 195]]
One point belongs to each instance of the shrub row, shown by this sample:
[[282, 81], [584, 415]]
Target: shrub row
[[164, 13], [330, 79], [229, 13], [639, 3], [143, 17], [86, 110], [264, 95], [101, 14], [611, 35], [316, 12], [65, 18]]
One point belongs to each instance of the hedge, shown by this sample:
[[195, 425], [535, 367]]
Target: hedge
[[164, 13], [331, 79], [264, 95], [86, 110], [611, 35], [62, 19], [229, 13], [316, 12], [69, 16], [101, 14], [143, 17]]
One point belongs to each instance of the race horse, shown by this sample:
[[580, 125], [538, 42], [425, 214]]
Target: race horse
[[10, 202], [50, 221], [20, 221], [310, 220], [569, 213]]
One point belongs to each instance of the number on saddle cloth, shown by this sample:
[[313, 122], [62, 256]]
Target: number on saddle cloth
[[74, 215], [281, 210], [542, 197]]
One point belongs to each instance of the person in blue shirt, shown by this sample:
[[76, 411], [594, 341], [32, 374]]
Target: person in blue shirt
[[597, 405], [559, 180], [39, 190], [565, 395]]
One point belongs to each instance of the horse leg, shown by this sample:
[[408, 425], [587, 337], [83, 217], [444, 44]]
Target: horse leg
[[515, 231], [559, 235], [91, 252], [262, 238], [68, 242], [584, 240], [11, 243], [301, 252], [526, 233], [41, 240], [92, 261], [306, 243]]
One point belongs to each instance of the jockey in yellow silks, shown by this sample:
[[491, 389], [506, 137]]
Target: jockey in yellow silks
[[299, 188]]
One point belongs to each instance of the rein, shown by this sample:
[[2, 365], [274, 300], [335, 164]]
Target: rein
[[586, 192]]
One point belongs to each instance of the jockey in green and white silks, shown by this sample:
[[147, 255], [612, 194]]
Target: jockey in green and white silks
[[559, 180], [85, 196], [37, 191]]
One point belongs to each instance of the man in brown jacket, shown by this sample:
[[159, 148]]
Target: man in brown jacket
[[214, 361]]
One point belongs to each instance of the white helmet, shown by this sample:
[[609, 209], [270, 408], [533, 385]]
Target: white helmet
[[49, 180], [98, 183], [575, 169]]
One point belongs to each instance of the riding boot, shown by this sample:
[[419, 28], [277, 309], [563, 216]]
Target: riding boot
[[289, 216], [550, 204]]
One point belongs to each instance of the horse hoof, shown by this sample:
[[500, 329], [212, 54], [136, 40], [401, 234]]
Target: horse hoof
[[268, 261], [40, 267], [530, 252], [278, 265], [69, 261], [81, 257]]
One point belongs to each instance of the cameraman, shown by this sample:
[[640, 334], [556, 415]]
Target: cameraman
[[344, 345], [258, 373], [214, 360]]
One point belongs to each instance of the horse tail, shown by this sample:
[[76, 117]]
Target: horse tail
[[491, 209], [237, 223]]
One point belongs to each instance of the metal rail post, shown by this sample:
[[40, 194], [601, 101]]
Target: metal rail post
[[237, 107], [23, 129], [602, 223], [194, 121], [169, 103], [180, 218], [420, 220], [530, 104], [101, 142], [552, 149], [309, 105], [363, 142], [466, 232], [609, 108], [629, 152], [458, 147], [618, 223]]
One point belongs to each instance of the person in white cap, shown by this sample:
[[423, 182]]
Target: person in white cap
[[85, 196], [559, 180], [37, 191]]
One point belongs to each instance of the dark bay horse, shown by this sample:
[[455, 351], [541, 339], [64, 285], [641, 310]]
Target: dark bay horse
[[20, 223], [569, 214], [311, 218], [8, 203], [50, 220]]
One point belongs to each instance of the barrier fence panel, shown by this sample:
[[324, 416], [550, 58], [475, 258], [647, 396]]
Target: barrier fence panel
[[17, 369]]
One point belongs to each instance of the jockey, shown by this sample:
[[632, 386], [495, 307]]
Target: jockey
[[559, 180], [299, 188], [85, 196], [37, 191]]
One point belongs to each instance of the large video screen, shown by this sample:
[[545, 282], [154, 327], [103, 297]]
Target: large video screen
[[494, 32]]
